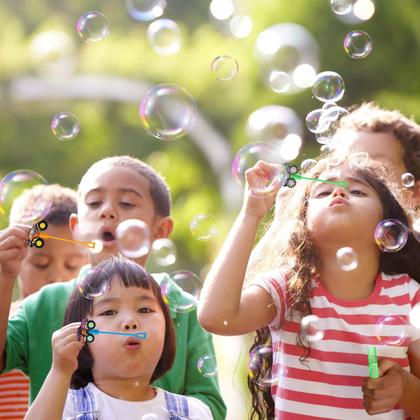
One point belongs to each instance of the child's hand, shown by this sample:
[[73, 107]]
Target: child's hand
[[66, 348], [262, 173], [13, 249], [382, 394]]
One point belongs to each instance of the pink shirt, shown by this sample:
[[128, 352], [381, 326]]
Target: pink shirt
[[329, 385]]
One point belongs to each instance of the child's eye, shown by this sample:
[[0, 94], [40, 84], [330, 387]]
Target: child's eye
[[93, 203], [323, 193], [145, 310], [358, 192], [126, 204], [108, 312], [41, 266]]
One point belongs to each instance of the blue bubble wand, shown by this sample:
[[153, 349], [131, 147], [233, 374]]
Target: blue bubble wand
[[142, 335]]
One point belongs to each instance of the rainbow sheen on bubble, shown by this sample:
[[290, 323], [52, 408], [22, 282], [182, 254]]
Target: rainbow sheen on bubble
[[225, 68], [133, 238], [391, 235], [311, 328], [164, 36], [65, 126], [92, 282], [260, 366], [145, 10], [357, 44], [328, 86], [347, 258], [93, 26], [207, 365], [312, 120], [203, 227], [13, 185], [392, 330], [168, 112]]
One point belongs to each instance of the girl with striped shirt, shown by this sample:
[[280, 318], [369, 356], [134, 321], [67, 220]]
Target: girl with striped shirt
[[317, 315]]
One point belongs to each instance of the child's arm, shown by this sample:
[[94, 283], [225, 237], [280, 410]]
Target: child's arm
[[224, 308], [12, 251], [50, 401]]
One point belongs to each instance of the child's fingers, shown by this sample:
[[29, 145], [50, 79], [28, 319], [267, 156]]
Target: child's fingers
[[20, 231], [12, 242]]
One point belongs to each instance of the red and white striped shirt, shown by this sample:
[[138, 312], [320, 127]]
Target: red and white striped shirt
[[14, 395], [328, 385]]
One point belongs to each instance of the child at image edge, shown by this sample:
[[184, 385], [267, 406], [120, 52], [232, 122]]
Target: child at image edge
[[294, 271]]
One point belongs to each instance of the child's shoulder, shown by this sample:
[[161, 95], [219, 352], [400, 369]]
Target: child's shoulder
[[401, 282]]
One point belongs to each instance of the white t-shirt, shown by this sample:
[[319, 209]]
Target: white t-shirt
[[114, 409]]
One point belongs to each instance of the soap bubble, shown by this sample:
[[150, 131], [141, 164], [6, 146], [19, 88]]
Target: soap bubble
[[93, 26], [65, 126], [163, 252], [168, 112], [312, 120], [347, 258], [225, 68], [358, 44], [164, 36], [133, 237], [145, 10], [279, 81], [203, 227], [307, 165], [207, 365], [311, 328], [408, 180], [416, 229], [240, 26], [96, 246], [92, 282], [260, 366], [391, 235], [328, 86], [414, 316], [391, 330], [13, 185], [188, 282], [341, 7]]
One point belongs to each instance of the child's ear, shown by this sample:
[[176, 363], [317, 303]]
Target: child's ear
[[163, 227], [73, 222], [416, 194]]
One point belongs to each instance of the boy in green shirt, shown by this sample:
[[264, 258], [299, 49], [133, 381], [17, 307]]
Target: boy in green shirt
[[112, 190]]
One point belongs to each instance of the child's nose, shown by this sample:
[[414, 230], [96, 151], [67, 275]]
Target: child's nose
[[130, 324], [339, 192], [108, 212]]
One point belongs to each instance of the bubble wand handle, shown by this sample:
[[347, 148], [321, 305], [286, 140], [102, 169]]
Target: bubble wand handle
[[373, 362], [47, 236], [343, 184], [142, 335]]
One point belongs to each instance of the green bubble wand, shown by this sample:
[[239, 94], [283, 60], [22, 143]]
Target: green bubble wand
[[342, 184], [373, 362]]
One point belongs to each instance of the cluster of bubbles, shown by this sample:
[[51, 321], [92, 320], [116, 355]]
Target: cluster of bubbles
[[13, 185], [203, 227]]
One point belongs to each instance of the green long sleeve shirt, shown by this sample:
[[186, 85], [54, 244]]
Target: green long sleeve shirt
[[28, 344]]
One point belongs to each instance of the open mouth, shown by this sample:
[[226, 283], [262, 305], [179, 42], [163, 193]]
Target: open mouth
[[107, 236]]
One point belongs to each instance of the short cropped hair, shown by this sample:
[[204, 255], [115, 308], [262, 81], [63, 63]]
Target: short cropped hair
[[371, 118], [63, 202], [159, 189]]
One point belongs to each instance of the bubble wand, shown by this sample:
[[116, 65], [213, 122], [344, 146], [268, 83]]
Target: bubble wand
[[47, 236], [343, 184], [373, 362]]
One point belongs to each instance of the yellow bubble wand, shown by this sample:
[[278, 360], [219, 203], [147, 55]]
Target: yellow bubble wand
[[47, 236]]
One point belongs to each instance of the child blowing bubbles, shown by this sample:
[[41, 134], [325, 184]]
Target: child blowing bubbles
[[113, 374], [294, 272]]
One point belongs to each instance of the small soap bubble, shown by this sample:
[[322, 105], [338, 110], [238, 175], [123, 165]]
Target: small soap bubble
[[358, 44], [347, 258], [93, 26], [408, 180], [96, 246], [391, 330], [164, 252], [168, 112], [65, 126], [414, 316], [279, 81], [188, 282], [225, 68], [207, 365], [307, 165], [133, 238], [13, 185], [203, 227], [164, 36], [311, 328], [240, 26], [92, 283], [341, 7], [260, 366], [328, 86], [391, 235], [145, 10], [312, 120]]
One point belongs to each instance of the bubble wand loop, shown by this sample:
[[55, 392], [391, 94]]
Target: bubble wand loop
[[47, 236], [343, 184]]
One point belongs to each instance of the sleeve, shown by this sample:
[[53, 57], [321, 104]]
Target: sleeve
[[414, 290], [198, 410], [69, 409], [274, 282], [205, 388], [17, 348]]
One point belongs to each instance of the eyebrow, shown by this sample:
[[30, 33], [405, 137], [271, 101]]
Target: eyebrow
[[115, 299], [121, 190]]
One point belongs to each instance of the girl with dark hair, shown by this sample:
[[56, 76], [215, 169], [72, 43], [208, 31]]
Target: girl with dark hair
[[112, 375], [314, 315]]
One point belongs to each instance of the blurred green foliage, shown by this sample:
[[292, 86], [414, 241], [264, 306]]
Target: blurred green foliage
[[389, 75]]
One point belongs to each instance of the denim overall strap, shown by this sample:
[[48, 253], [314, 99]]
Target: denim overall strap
[[177, 406], [84, 404]]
